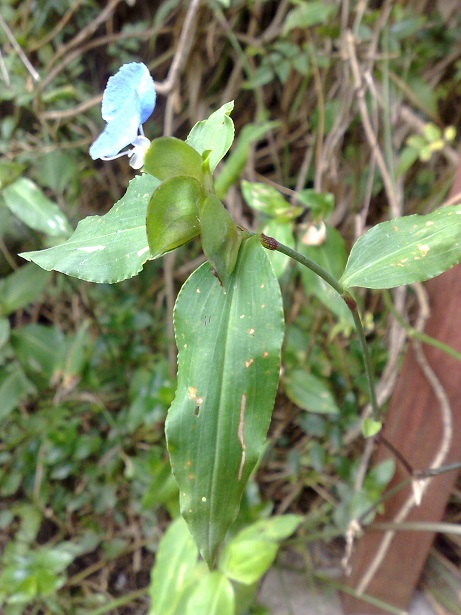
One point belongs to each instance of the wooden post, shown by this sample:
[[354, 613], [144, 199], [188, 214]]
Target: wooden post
[[388, 567]]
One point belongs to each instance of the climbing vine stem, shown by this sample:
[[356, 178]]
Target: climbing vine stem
[[272, 244]]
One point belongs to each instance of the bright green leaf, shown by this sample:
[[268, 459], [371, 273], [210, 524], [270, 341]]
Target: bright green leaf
[[268, 200], [309, 392], [107, 248], [28, 203], [405, 250], [173, 570], [273, 529], [215, 134], [228, 369], [214, 595], [370, 427], [172, 215], [246, 561]]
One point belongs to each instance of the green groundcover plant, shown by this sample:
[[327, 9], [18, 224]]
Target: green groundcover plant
[[229, 324]]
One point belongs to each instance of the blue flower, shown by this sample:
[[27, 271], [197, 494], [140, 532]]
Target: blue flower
[[128, 101]]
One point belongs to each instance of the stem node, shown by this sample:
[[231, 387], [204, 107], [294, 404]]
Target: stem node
[[269, 242]]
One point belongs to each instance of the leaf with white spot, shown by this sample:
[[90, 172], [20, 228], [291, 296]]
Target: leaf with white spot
[[405, 250], [28, 203], [229, 344], [107, 248]]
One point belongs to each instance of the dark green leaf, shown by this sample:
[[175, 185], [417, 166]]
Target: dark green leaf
[[13, 389], [221, 238], [21, 288], [228, 368]]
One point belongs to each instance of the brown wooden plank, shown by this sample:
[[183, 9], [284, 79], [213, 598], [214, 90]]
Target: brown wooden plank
[[414, 427]]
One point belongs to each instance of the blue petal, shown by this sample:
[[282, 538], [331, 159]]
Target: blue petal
[[131, 85], [119, 132]]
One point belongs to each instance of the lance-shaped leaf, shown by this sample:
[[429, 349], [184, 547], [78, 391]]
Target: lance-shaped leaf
[[405, 250], [26, 201], [107, 248], [174, 570], [172, 215], [228, 369]]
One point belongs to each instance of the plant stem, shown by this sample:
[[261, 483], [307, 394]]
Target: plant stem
[[368, 367], [272, 244]]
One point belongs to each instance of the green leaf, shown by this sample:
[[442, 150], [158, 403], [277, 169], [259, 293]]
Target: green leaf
[[331, 255], [405, 250], [321, 204], [309, 392], [107, 248], [169, 157], [39, 350], [215, 134], [28, 203], [21, 288], [13, 389], [172, 215], [238, 157], [308, 14], [4, 331], [9, 172], [221, 238], [273, 529], [173, 570], [246, 561], [370, 427], [228, 368], [214, 595], [268, 200]]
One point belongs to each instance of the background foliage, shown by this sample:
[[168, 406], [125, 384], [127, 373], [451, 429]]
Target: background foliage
[[88, 371]]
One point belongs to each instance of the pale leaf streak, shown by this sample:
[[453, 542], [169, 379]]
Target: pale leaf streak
[[240, 434]]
